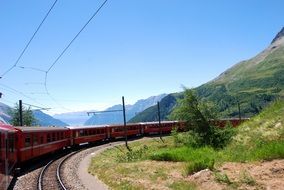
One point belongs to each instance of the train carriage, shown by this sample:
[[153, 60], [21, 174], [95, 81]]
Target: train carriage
[[118, 131], [36, 141], [154, 128], [88, 134], [8, 154]]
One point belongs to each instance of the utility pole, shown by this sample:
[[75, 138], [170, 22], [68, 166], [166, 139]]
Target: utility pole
[[159, 117], [124, 123], [21, 112]]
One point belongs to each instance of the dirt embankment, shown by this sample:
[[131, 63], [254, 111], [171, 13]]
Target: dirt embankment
[[260, 175]]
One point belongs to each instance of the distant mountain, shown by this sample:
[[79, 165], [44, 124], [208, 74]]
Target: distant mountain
[[131, 111], [4, 112], [254, 83], [42, 118], [73, 118]]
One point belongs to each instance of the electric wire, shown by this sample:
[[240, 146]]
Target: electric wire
[[27, 45], [56, 60], [61, 54], [17, 92], [32, 68], [41, 108], [65, 49]]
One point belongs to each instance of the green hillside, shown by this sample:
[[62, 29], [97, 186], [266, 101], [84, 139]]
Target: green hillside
[[254, 83]]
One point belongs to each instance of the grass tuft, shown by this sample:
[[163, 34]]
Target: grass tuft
[[247, 178], [222, 178], [199, 165]]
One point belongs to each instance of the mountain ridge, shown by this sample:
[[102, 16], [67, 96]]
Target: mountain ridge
[[253, 83], [131, 111], [42, 119]]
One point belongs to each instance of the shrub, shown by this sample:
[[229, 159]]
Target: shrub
[[198, 165], [247, 178], [134, 155], [222, 178], [220, 137], [184, 154], [189, 138]]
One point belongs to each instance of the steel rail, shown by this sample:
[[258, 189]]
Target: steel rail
[[59, 168], [40, 178]]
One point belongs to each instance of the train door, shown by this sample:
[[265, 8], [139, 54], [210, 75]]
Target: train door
[[4, 178]]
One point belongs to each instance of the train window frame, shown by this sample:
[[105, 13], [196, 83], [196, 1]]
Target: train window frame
[[53, 136], [35, 139], [81, 132], [48, 139], [27, 141], [41, 139], [11, 142]]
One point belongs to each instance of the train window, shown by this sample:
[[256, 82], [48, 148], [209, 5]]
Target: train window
[[11, 143], [81, 133], [53, 136], [35, 139], [48, 139], [27, 141], [41, 139], [62, 135]]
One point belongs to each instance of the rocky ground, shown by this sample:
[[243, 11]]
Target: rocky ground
[[260, 175]]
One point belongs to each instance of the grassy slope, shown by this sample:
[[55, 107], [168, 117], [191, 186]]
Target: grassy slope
[[254, 82], [261, 138]]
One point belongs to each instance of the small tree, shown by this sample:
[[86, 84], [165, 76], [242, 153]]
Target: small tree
[[198, 117], [28, 117]]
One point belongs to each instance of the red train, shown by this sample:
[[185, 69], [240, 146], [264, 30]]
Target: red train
[[20, 144]]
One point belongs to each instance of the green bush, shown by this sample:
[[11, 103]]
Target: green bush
[[247, 178], [220, 137], [222, 178], [189, 138], [134, 155], [200, 164], [185, 154], [269, 150]]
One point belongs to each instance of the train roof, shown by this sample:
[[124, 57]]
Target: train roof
[[40, 129], [86, 127], [156, 122], [7, 127]]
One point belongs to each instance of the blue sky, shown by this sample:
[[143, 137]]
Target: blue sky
[[132, 48]]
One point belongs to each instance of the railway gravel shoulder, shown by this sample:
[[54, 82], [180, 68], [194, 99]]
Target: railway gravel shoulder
[[75, 170], [28, 181]]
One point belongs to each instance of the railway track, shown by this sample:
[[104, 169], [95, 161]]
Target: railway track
[[50, 175]]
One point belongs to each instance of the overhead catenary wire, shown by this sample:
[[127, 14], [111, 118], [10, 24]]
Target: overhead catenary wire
[[41, 108], [66, 48], [17, 92], [32, 68], [46, 72], [27, 45]]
